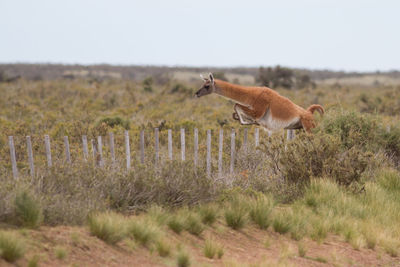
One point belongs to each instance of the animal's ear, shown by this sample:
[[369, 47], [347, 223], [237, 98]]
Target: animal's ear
[[211, 77], [201, 76]]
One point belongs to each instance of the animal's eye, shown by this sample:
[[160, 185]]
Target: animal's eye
[[207, 86]]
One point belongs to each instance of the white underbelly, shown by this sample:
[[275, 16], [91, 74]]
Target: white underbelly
[[275, 124]]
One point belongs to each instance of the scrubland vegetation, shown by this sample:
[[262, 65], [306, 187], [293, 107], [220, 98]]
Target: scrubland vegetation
[[342, 182]]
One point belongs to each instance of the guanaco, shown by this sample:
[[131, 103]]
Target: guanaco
[[262, 106]]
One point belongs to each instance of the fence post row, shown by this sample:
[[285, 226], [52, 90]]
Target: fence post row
[[30, 156]]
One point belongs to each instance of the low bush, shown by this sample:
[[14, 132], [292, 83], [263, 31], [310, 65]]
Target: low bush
[[175, 223], [281, 222], [143, 231], [183, 259], [236, 212], [163, 248], [208, 214], [193, 224]]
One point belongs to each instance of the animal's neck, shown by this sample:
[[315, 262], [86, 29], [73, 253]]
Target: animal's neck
[[235, 92]]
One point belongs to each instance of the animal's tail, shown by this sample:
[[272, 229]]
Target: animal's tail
[[316, 107]]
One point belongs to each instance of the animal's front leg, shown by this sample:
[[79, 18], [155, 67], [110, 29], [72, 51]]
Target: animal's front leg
[[242, 116]]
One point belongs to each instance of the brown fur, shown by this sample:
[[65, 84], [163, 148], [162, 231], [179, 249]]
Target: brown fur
[[255, 101]]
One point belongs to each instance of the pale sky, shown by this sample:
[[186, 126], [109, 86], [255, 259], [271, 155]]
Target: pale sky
[[361, 35]]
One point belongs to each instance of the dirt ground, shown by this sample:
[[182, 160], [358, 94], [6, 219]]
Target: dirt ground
[[248, 247]]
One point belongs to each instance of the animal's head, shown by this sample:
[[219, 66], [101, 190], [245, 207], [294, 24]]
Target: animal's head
[[208, 86]]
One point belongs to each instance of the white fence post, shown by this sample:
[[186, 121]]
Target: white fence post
[[67, 151], [142, 147], [94, 151], [30, 156], [232, 151], [245, 134], [196, 146], [127, 150], [220, 149], [156, 140], [170, 144], [183, 144], [100, 150], [85, 147], [257, 137], [48, 150], [208, 162], [13, 158], [112, 149]]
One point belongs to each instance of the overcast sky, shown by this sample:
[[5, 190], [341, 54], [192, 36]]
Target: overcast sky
[[361, 35]]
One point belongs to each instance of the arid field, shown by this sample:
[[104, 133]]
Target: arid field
[[330, 198]]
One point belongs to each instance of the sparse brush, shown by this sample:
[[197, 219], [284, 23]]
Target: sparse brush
[[108, 226], [208, 214], [60, 253], [34, 261], [11, 246], [212, 249], [183, 259], [260, 211], [163, 248], [319, 229], [175, 224], [302, 249], [193, 224], [391, 247], [28, 210], [158, 214], [236, 213], [143, 231]]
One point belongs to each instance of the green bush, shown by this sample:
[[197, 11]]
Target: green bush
[[175, 224], [208, 214], [282, 223], [11, 246], [28, 210], [142, 231], [183, 259], [193, 224]]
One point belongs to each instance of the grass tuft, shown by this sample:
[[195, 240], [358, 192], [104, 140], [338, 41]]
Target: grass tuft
[[143, 232], [302, 249], [109, 227], [212, 249], [175, 224], [281, 223], [183, 259], [163, 248], [260, 211], [11, 246], [60, 253], [28, 210], [193, 225], [208, 214], [236, 213]]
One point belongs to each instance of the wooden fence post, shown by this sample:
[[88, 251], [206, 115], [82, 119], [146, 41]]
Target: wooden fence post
[[232, 151], [127, 150], [142, 147], [170, 144], [183, 144], [13, 158], [30, 156], [220, 149], [156, 140], [290, 135], [208, 161], [112, 149], [67, 151], [245, 133], [94, 151], [257, 137], [196, 146], [85, 147], [48, 150], [100, 150]]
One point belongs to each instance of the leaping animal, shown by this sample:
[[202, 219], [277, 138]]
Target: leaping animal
[[262, 106]]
